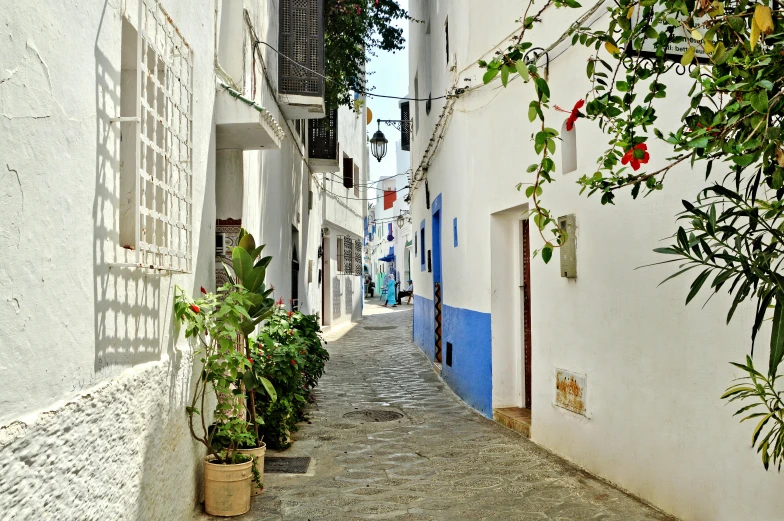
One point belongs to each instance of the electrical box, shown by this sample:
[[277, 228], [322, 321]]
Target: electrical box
[[569, 248]]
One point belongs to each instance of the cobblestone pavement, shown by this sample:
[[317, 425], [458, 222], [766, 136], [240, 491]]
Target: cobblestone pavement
[[440, 461]]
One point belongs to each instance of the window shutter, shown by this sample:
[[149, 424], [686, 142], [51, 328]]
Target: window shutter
[[340, 255], [405, 116], [301, 39], [357, 257], [348, 172]]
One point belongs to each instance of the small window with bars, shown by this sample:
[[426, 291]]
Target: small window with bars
[[357, 257], [339, 264], [156, 151]]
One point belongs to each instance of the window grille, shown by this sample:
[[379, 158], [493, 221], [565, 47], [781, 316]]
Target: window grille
[[163, 176], [323, 136], [348, 256], [301, 40], [357, 257], [405, 134]]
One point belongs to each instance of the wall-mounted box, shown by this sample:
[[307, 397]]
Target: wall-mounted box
[[569, 249], [571, 391]]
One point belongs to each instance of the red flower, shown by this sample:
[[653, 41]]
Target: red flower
[[634, 159], [203, 290], [195, 308], [250, 361], [293, 362], [573, 115], [280, 301], [269, 356], [291, 314], [303, 352]]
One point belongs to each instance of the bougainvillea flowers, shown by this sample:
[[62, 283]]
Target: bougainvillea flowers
[[195, 308], [636, 158], [573, 114]]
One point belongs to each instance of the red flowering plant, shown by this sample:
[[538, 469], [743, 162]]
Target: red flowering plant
[[290, 354], [214, 322]]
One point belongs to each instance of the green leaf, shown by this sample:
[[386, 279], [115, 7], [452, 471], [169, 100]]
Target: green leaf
[[504, 75], [532, 112], [242, 262], [489, 75], [688, 56], [759, 427], [759, 101], [522, 70], [547, 253], [697, 284], [542, 88], [269, 388], [247, 242], [777, 335]]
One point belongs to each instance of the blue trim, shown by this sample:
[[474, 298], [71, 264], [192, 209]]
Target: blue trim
[[470, 333], [454, 229], [436, 206]]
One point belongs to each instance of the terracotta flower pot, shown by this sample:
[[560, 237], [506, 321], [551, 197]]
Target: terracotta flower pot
[[258, 458], [226, 488]]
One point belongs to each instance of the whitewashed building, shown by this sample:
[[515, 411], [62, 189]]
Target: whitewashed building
[[136, 138], [501, 327]]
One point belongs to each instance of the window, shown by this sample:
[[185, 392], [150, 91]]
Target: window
[[358, 257], [339, 266], [356, 180], [422, 245], [415, 244], [405, 134], [348, 257], [446, 37], [156, 151], [348, 172], [301, 39]]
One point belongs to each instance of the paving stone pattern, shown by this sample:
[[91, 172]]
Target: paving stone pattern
[[441, 461]]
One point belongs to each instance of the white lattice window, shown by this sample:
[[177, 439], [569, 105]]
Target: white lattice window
[[157, 141]]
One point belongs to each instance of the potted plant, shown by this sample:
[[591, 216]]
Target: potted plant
[[216, 322], [248, 271]]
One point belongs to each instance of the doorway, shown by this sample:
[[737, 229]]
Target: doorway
[[525, 308], [294, 269], [511, 307], [438, 295]]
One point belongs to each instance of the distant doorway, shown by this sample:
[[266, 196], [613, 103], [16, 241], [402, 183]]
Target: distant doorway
[[438, 295], [525, 300]]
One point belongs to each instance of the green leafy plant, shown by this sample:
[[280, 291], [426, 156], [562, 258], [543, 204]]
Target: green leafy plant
[[353, 31], [215, 322], [290, 351], [732, 229], [248, 270]]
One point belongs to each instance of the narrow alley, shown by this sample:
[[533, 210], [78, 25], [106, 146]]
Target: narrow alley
[[438, 461]]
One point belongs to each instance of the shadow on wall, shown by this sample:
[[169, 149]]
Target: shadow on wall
[[133, 322]]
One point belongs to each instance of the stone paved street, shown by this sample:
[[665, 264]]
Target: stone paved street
[[440, 461]]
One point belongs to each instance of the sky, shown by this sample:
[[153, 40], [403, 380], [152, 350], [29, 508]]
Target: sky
[[389, 76]]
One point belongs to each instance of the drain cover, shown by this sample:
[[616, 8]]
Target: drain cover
[[380, 328], [276, 465], [373, 416]]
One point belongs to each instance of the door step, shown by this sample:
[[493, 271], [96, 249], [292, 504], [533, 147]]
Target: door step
[[515, 418]]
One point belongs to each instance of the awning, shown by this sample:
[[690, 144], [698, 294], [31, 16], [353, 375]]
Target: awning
[[409, 243], [388, 258]]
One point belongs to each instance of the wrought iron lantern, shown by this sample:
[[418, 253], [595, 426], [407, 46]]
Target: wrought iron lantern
[[378, 143]]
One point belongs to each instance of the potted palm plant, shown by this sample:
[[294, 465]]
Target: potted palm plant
[[248, 271]]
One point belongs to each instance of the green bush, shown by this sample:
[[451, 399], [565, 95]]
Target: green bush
[[290, 351]]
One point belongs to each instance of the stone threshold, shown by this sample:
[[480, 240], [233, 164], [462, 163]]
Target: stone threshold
[[515, 418]]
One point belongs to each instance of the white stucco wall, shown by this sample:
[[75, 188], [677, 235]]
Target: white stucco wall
[[92, 422], [655, 369]]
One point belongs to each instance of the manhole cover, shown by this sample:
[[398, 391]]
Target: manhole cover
[[373, 416], [380, 328], [276, 465]]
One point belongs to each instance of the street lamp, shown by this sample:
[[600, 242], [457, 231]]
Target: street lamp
[[378, 143]]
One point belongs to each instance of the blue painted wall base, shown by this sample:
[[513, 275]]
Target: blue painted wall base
[[469, 332]]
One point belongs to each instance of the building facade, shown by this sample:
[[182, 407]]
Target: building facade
[[138, 137], [505, 330]]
